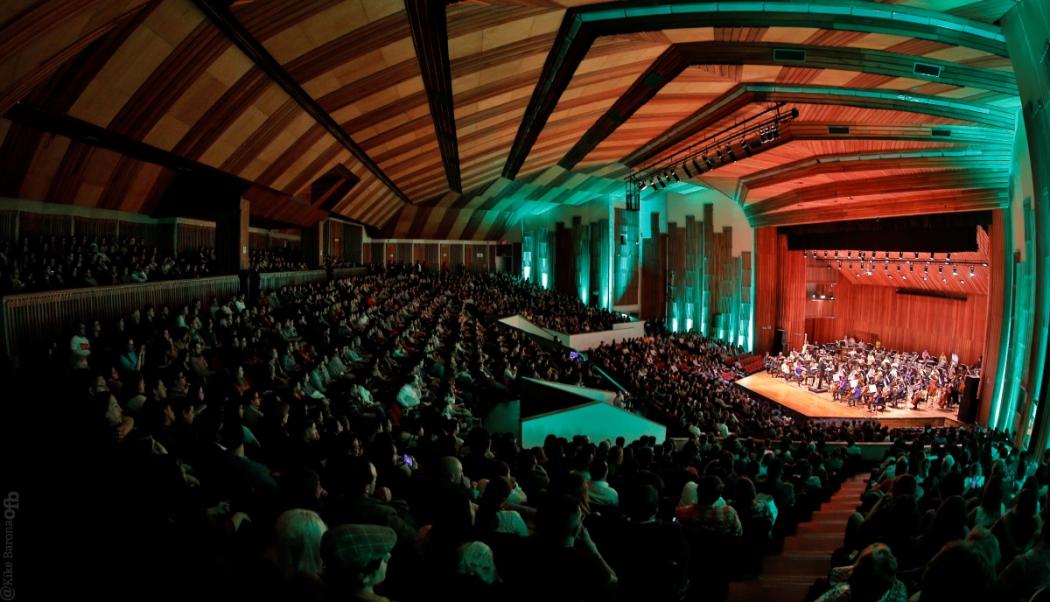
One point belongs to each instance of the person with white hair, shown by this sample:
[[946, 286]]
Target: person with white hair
[[295, 551]]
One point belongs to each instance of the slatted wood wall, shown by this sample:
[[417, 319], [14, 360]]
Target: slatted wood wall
[[708, 289]]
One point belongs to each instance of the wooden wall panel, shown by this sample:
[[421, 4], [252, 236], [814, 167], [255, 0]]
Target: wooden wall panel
[[455, 256], [625, 268], [765, 288], [913, 323], [45, 224], [94, 227], [258, 241], [791, 291], [996, 295], [654, 272], [192, 237]]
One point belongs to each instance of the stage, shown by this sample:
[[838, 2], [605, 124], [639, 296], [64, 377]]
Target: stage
[[819, 406]]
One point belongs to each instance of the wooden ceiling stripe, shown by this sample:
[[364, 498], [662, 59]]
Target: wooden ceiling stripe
[[419, 221], [740, 96], [250, 148], [169, 81], [313, 170], [70, 172], [957, 134], [364, 87], [739, 34], [961, 178], [219, 14], [464, 19], [29, 42], [211, 126], [850, 162], [918, 47], [664, 69], [291, 154], [115, 192], [582, 26], [16, 155], [350, 46], [900, 204], [266, 19], [58, 93]]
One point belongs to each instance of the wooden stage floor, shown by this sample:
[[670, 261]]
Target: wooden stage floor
[[820, 406]]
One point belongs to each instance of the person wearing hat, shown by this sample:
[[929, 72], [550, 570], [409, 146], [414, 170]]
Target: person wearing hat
[[355, 560]]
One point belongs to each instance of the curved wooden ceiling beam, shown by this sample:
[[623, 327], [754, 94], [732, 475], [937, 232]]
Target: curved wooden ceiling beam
[[947, 200], [963, 178], [430, 38], [949, 133], [680, 56], [581, 26], [856, 162], [716, 111]]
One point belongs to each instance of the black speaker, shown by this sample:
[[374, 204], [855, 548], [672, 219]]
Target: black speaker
[[778, 341], [969, 404]]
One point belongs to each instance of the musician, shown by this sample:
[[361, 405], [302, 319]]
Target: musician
[[821, 368]]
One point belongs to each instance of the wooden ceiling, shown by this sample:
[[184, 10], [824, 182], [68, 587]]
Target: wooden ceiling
[[460, 119]]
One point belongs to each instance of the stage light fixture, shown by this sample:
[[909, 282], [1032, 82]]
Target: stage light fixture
[[984, 264], [699, 170], [685, 168], [731, 154], [744, 144], [674, 174], [643, 185], [707, 160], [972, 271]]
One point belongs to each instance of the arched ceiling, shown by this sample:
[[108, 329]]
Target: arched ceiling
[[458, 119]]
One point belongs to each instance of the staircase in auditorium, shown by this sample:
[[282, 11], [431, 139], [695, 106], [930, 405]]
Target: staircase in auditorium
[[787, 577]]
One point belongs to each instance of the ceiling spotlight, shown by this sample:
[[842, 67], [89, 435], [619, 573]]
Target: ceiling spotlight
[[972, 271], [710, 163], [696, 164], [744, 144], [721, 157], [962, 282], [685, 168], [643, 185], [674, 174], [730, 153], [984, 264]]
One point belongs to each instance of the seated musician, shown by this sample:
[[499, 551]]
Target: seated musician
[[858, 393], [878, 399], [785, 369]]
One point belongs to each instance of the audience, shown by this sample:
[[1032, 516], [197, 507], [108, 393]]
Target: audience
[[39, 262], [263, 448]]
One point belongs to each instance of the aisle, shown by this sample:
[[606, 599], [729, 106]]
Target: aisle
[[786, 577]]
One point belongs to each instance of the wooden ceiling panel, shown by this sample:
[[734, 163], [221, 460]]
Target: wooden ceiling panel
[[276, 93]]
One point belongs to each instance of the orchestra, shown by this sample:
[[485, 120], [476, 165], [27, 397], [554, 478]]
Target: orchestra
[[872, 376]]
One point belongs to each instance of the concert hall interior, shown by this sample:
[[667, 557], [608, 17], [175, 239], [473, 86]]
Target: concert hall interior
[[516, 300]]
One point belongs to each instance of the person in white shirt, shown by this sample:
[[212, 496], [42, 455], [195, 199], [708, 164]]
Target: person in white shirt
[[600, 493], [79, 345]]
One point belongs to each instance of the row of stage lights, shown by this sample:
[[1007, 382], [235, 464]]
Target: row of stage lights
[[870, 261], [727, 147]]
